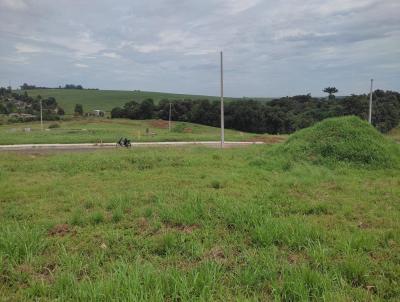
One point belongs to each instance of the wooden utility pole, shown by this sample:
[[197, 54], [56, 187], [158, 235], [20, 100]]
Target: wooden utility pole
[[41, 115], [222, 103], [370, 104]]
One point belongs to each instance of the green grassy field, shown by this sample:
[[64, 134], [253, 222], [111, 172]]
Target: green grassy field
[[195, 225], [199, 224], [94, 130], [104, 99]]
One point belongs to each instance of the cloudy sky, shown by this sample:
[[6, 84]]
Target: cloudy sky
[[271, 47]]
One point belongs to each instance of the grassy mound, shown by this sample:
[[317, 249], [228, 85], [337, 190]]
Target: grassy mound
[[344, 139]]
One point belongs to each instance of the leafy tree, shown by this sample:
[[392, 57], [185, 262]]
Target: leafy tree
[[78, 109], [118, 112], [146, 109], [3, 109], [331, 91]]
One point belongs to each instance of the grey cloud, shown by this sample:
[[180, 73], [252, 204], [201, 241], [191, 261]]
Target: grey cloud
[[271, 48]]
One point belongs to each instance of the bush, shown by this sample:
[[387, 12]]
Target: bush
[[54, 126]]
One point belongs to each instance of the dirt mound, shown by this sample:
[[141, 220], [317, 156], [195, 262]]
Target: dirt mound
[[344, 139]]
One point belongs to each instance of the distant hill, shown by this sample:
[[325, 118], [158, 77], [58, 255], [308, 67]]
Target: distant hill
[[104, 99]]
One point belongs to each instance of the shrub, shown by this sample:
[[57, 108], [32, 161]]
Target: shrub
[[54, 125]]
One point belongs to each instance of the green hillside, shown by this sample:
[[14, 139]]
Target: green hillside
[[104, 99]]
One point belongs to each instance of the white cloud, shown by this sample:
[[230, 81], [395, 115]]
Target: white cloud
[[80, 65], [111, 55], [15, 60], [26, 48], [237, 6], [147, 48], [17, 5]]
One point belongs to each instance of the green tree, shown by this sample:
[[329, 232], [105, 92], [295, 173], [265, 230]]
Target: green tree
[[331, 91]]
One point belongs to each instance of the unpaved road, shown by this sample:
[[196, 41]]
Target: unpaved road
[[92, 146]]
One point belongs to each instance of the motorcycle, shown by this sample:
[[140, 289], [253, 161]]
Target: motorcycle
[[124, 142]]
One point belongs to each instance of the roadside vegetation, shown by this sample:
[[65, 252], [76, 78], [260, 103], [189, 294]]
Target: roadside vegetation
[[291, 222]]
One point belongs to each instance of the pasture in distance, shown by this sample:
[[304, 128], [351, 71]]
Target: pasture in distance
[[105, 100]]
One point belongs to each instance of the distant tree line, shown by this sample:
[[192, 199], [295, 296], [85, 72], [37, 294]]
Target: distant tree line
[[284, 115], [26, 86], [12, 102], [72, 86]]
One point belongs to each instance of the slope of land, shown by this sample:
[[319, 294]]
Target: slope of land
[[94, 130], [104, 99], [196, 224], [345, 139]]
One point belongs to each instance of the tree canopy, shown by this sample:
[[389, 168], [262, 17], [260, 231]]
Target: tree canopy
[[284, 115]]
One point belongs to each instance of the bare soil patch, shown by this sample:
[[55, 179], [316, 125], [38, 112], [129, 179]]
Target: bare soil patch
[[188, 229], [161, 124], [60, 230]]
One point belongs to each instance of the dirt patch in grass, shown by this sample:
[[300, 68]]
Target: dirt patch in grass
[[161, 124], [188, 229], [47, 272], [142, 224], [61, 230], [44, 274], [216, 254]]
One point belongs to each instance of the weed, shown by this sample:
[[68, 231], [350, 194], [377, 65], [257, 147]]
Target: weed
[[117, 215], [77, 218], [216, 184], [96, 218]]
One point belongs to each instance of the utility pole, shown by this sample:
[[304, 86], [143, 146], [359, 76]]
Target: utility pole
[[169, 119], [370, 104], [222, 103], [41, 115]]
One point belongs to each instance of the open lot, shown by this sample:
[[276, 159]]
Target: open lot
[[196, 224], [93, 130]]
